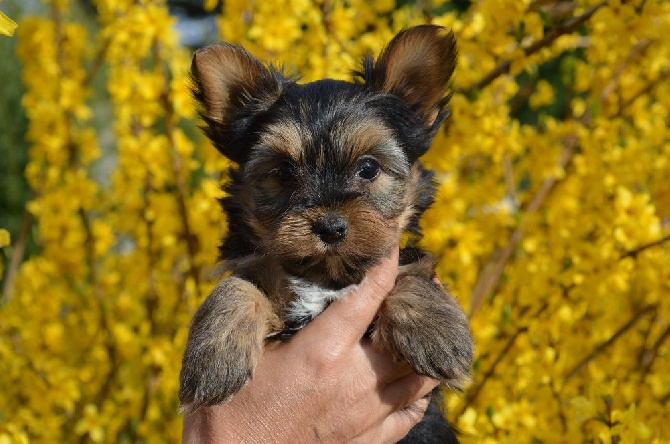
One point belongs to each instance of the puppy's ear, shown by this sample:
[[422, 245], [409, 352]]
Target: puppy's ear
[[232, 88], [416, 66]]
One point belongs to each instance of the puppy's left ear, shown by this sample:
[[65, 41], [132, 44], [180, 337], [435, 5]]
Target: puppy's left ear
[[232, 87], [416, 66]]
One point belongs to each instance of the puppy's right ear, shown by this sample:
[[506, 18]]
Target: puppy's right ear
[[233, 88]]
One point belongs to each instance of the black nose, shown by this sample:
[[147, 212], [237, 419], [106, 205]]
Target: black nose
[[331, 228]]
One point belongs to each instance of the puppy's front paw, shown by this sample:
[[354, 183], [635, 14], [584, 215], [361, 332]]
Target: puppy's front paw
[[225, 340], [423, 325]]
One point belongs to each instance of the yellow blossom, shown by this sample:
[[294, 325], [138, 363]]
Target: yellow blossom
[[550, 223], [4, 238], [7, 25]]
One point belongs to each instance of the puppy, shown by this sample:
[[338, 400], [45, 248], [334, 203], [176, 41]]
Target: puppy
[[327, 179]]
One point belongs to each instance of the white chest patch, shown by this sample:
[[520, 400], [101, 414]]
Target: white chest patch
[[311, 299]]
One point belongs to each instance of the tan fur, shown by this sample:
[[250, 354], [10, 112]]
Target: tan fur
[[242, 71], [230, 326], [359, 137], [369, 232], [285, 139], [414, 68], [271, 278], [410, 196], [423, 325], [304, 207]]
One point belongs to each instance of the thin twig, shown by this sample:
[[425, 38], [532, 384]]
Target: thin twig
[[97, 62], [522, 96], [74, 161], [553, 10], [181, 195], [16, 257], [427, 11], [489, 278], [602, 347], [474, 392], [556, 393], [476, 389], [649, 356], [636, 50], [151, 300], [633, 253], [664, 75], [549, 38], [326, 21], [508, 174], [326, 10], [641, 358]]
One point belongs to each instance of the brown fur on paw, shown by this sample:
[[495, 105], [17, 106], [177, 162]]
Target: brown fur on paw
[[423, 325], [226, 338]]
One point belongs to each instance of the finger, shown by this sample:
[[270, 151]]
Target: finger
[[398, 424], [349, 317], [406, 391]]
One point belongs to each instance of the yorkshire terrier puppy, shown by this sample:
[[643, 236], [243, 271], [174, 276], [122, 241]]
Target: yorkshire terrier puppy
[[327, 179]]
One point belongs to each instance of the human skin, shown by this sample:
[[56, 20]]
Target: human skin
[[328, 384]]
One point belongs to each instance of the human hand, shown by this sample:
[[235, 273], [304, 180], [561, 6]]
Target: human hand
[[328, 384]]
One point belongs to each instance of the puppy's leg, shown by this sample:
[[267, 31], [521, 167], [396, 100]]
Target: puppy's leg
[[423, 325], [225, 339]]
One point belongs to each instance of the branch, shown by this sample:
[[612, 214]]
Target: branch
[[649, 356], [602, 347], [489, 278], [476, 390], [151, 301], [326, 11], [181, 195], [554, 10], [97, 62], [427, 11], [522, 96], [18, 250], [640, 249], [556, 394], [661, 77], [74, 161], [638, 49], [549, 38]]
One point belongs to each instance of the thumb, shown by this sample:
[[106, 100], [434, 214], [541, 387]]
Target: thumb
[[351, 315]]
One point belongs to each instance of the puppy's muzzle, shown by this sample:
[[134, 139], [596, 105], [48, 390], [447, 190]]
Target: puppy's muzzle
[[331, 228]]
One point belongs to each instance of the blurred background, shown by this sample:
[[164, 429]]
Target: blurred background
[[551, 224]]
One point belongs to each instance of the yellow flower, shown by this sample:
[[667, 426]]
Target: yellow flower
[[548, 228], [91, 424], [7, 25], [544, 95], [4, 238]]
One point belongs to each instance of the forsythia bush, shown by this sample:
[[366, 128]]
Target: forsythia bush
[[552, 222]]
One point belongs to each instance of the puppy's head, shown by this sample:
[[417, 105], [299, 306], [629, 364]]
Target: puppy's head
[[328, 175]]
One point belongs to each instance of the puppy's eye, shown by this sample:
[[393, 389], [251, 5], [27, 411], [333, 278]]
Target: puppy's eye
[[285, 173], [369, 169]]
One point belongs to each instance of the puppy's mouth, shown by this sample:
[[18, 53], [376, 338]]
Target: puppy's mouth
[[331, 269], [332, 246]]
